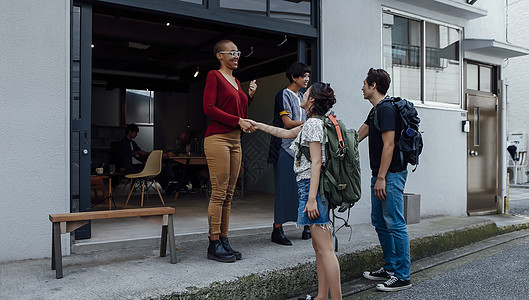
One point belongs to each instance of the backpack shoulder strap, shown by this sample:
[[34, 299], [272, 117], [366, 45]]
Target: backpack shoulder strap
[[338, 130], [375, 112]]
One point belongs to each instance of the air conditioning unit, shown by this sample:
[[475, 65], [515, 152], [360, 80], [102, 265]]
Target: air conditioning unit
[[518, 139]]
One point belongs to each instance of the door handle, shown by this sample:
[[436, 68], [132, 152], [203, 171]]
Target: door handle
[[473, 153], [85, 152]]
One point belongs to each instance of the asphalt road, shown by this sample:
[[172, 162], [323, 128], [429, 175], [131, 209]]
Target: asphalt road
[[519, 201], [484, 272], [495, 272]]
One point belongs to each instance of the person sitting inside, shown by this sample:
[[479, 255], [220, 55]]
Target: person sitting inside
[[132, 158], [193, 173]]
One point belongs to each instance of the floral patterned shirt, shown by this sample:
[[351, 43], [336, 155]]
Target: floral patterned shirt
[[312, 131]]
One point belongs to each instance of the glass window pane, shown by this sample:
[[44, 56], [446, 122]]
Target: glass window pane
[[75, 162], [145, 138], [402, 58], [253, 6], [138, 107], [399, 32], [76, 91], [485, 77], [443, 65], [472, 77], [296, 11], [414, 34], [76, 33], [193, 1], [432, 35]]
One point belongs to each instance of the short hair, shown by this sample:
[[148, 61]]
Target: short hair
[[381, 78], [219, 46], [132, 128], [296, 70]]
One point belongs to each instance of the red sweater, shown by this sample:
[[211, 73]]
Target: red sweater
[[223, 104]]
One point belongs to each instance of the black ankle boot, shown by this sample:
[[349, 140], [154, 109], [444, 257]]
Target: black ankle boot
[[226, 245], [217, 252], [306, 233], [278, 236]]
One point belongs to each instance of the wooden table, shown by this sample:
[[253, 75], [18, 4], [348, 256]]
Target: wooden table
[[186, 160]]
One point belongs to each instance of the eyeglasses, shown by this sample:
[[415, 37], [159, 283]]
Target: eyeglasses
[[233, 53]]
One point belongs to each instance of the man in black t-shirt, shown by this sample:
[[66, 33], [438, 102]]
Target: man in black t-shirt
[[387, 184], [388, 120]]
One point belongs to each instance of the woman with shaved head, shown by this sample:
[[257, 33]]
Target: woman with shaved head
[[227, 106]]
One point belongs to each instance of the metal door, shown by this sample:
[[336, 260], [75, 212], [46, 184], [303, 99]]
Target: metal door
[[482, 153], [80, 103]]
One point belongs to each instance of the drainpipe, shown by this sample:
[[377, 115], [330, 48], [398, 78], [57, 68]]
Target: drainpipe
[[502, 151]]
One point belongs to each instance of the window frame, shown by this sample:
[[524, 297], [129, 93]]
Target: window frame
[[423, 20], [493, 83], [211, 11]]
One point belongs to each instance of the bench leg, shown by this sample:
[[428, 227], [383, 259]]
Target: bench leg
[[52, 247], [56, 251], [172, 246], [163, 245]]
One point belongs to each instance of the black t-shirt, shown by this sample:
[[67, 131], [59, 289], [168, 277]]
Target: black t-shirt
[[389, 120]]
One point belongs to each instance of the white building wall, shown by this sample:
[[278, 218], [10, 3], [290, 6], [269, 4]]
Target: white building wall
[[491, 26], [34, 124], [517, 68], [351, 42]]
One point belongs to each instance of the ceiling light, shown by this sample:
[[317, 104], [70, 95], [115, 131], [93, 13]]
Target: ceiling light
[[167, 24], [251, 52], [285, 38], [196, 73], [136, 45]]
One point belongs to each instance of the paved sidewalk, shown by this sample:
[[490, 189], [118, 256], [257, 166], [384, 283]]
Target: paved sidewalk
[[267, 271]]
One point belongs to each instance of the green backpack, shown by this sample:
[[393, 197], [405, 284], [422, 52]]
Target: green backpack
[[340, 182]]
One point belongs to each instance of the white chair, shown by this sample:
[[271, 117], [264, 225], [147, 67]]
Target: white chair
[[152, 168]]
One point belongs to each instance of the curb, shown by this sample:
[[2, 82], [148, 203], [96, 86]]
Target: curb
[[520, 186], [290, 282], [512, 228]]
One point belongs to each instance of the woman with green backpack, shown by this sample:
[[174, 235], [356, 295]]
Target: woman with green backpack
[[312, 211]]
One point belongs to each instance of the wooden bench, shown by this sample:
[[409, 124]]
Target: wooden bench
[[65, 223]]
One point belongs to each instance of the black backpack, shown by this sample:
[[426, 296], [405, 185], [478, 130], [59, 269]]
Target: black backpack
[[409, 141]]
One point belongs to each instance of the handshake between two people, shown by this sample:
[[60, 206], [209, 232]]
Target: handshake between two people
[[249, 126]]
